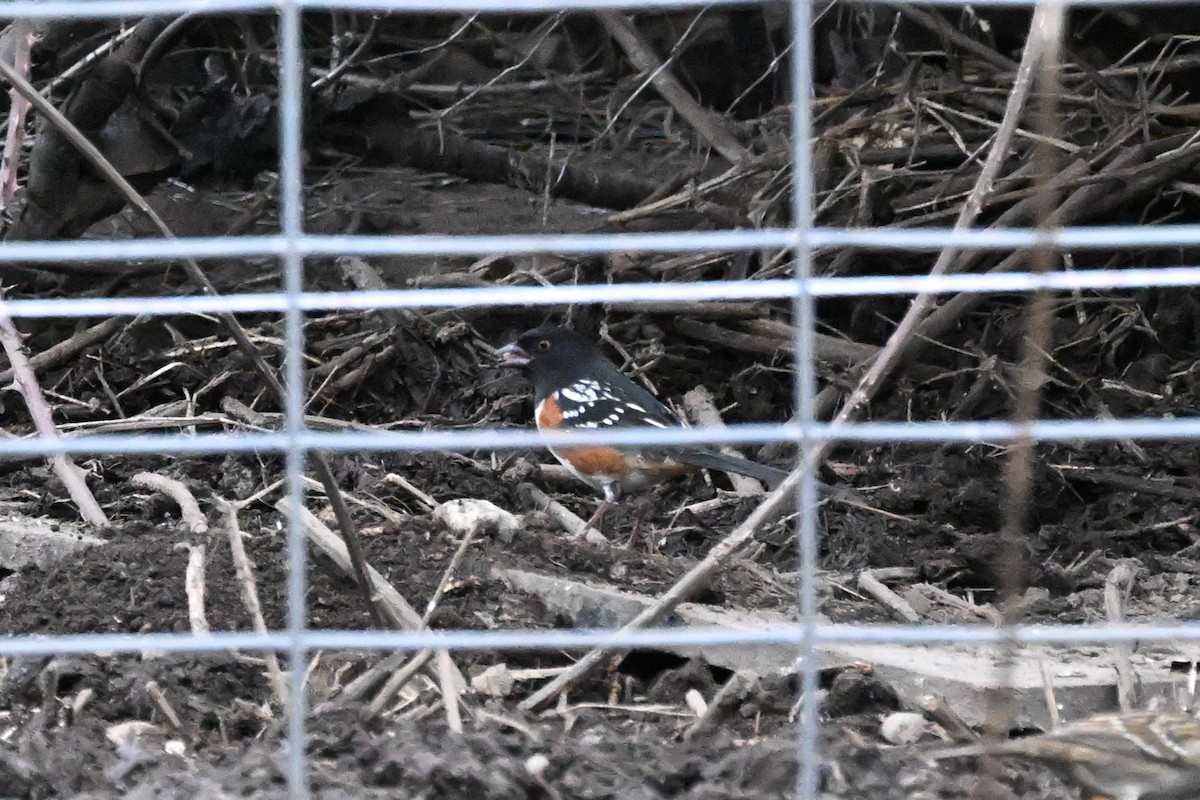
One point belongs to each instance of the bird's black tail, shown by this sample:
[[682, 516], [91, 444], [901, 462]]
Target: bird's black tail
[[751, 469]]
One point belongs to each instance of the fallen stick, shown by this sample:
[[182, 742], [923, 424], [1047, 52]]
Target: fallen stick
[[872, 586], [1048, 692], [734, 691], [937, 709], [69, 348], [420, 496], [189, 509], [571, 523], [450, 698], [381, 130], [160, 701], [447, 574], [774, 340], [706, 123], [1117, 586], [356, 689], [938, 25], [43, 417], [398, 610], [396, 682], [986, 612], [245, 576], [193, 587], [695, 578]]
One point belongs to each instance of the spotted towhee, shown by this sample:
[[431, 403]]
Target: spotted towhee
[[576, 388]]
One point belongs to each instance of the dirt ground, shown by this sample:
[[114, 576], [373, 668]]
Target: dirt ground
[[928, 517], [623, 732], [619, 735]]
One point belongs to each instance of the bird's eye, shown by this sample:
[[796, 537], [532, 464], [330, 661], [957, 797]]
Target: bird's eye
[[543, 345]]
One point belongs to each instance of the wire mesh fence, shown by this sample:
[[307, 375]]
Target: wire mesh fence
[[294, 438]]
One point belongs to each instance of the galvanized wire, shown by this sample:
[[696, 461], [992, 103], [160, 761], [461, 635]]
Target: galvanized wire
[[804, 317], [916, 239], [790, 636], [94, 9]]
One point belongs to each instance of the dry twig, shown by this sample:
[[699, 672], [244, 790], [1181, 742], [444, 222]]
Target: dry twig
[[447, 674], [940, 712], [193, 585], [69, 348], [400, 613], [447, 574], [43, 418], [159, 698], [572, 523], [22, 42], [870, 585], [197, 275], [1117, 586], [189, 509], [396, 681], [707, 124], [245, 576]]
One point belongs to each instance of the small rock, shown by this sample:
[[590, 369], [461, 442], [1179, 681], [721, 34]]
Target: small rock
[[903, 727], [130, 733], [468, 515], [495, 681], [26, 542], [536, 764]]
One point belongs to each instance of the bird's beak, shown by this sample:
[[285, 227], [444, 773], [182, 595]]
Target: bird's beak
[[512, 355]]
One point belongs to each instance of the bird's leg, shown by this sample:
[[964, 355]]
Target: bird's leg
[[612, 493], [594, 522]]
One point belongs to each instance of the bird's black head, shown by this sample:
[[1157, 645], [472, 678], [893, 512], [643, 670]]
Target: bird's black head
[[555, 357]]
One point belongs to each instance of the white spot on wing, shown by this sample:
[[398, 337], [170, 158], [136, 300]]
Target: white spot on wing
[[584, 391]]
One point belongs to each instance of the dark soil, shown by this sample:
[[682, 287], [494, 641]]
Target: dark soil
[[623, 740], [621, 733]]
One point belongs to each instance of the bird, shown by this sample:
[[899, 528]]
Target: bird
[[1133, 756], [576, 388]]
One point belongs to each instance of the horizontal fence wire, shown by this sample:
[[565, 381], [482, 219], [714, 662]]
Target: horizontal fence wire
[[294, 438], [923, 240], [578, 639], [93, 9], [582, 294], [499, 439]]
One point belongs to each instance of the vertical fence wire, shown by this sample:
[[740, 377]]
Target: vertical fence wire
[[291, 218], [804, 320]]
